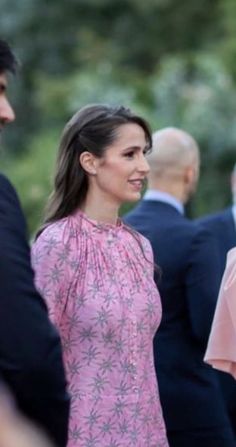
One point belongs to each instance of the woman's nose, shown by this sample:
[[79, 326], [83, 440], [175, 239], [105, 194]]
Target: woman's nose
[[143, 165]]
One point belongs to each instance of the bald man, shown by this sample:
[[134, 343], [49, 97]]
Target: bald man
[[186, 253], [223, 225]]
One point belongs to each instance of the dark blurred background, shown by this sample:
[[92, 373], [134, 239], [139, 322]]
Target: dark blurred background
[[173, 61]]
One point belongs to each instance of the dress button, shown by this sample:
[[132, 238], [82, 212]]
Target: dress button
[[110, 238]]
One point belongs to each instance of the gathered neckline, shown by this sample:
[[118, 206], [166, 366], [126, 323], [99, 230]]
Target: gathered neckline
[[99, 225]]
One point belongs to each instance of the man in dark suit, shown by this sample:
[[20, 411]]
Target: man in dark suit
[[223, 226], [191, 398], [30, 351]]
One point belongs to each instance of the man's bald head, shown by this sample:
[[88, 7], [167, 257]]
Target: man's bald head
[[174, 163], [172, 150]]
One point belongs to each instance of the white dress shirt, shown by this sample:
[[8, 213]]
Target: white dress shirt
[[160, 196]]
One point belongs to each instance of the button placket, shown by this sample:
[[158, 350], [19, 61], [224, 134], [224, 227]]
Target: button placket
[[133, 353]]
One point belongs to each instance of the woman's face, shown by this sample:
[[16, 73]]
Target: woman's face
[[121, 172]]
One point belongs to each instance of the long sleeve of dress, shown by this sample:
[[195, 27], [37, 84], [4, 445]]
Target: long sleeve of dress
[[50, 259]]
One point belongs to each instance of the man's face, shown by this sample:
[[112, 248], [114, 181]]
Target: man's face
[[6, 112]]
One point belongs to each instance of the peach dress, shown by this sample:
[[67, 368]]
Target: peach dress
[[221, 349]]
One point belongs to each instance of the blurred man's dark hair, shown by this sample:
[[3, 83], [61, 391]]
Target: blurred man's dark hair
[[8, 61]]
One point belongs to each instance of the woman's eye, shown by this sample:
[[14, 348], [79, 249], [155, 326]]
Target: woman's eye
[[129, 154]]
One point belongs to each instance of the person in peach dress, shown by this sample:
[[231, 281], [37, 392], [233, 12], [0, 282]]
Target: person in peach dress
[[221, 349], [96, 274]]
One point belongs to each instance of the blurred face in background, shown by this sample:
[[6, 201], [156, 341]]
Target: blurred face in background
[[6, 112]]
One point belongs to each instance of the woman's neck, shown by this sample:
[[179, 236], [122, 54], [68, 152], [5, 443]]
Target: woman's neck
[[100, 210]]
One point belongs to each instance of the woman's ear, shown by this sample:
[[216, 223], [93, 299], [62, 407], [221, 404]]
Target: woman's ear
[[87, 161]]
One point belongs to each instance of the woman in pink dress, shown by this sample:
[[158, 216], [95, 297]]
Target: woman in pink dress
[[96, 275]]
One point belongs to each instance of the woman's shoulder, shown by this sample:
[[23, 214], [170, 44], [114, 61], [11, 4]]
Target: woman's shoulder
[[137, 239], [54, 233]]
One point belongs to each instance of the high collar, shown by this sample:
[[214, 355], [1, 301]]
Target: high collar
[[95, 226]]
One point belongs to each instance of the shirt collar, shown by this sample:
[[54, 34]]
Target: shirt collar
[[154, 194]]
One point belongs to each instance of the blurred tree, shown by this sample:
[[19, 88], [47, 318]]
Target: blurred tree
[[194, 93], [198, 94], [32, 170], [227, 46], [171, 60], [55, 38], [31, 173]]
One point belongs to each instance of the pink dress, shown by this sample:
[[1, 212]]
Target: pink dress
[[101, 295]]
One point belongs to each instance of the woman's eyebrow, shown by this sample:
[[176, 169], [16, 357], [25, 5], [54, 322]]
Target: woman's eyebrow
[[135, 148]]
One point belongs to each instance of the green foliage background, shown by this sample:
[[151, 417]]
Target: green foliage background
[[171, 60]]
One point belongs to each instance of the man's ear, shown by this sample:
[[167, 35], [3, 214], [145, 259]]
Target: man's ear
[[189, 174], [88, 162]]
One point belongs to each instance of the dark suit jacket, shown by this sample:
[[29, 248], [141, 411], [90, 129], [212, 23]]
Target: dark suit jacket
[[222, 226], [30, 350], [186, 254]]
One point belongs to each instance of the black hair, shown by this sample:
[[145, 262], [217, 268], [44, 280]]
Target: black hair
[[8, 61]]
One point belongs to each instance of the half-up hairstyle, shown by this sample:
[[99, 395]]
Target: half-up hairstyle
[[92, 129]]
